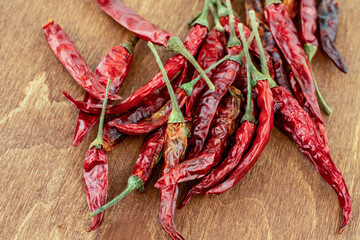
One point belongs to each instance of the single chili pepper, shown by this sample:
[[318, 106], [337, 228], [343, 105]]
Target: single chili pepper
[[282, 27], [147, 31], [96, 172], [210, 52], [68, 55], [222, 127], [328, 22], [291, 7], [174, 152], [115, 65], [150, 154], [263, 85], [269, 43], [243, 139]]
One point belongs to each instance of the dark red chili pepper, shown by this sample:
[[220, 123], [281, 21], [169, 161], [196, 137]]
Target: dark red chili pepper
[[328, 22], [222, 127], [269, 43], [297, 124], [291, 7], [174, 152], [115, 65], [282, 27], [150, 155], [96, 172], [67, 53]]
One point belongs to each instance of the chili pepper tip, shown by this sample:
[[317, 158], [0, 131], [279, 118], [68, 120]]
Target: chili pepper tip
[[49, 22]]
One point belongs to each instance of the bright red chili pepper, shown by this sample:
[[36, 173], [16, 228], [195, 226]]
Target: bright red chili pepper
[[222, 127], [67, 53], [115, 65], [308, 16], [297, 124], [328, 22], [150, 155], [291, 7], [282, 27]]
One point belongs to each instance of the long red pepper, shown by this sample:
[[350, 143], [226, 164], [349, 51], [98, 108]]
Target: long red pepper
[[115, 65], [150, 155], [265, 123], [96, 172], [282, 27], [328, 22], [174, 152], [223, 126], [68, 55]]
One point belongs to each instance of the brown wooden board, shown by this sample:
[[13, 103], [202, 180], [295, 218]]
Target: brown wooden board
[[42, 194]]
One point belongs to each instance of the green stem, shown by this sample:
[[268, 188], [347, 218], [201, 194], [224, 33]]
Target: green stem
[[310, 51], [322, 102], [218, 26], [130, 45], [233, 40], [176, 45], [248, 115], [264, 67], [176, 114], [98, 141], [188, 87], [202, 18], [268, 2], [134, 182], [240, 57], [221, 10]]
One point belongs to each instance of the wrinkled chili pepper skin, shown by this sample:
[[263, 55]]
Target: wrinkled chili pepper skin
[[328, 21], [96, 182], [266, 120], [223, 126], [149, 154], [211, 51], [132, 21], [243, 138], [68, 55], [297, 124], [282, 27], [308, 16], [291, 7], [115, 65], [174, 153], [224, 76], [155, 121], [173, 66]]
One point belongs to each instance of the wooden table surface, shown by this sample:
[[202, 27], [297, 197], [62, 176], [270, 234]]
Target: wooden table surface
[[43, 194]]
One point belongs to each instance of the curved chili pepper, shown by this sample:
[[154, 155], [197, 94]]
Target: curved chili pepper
[[291, 7], [328, 21], [223, 126], [96, 172], [115, 65], [297, 124], [150, 154], [282, 27], [174, 152], [68, 55]]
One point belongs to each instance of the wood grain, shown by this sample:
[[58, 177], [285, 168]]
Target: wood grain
[[42, 196]]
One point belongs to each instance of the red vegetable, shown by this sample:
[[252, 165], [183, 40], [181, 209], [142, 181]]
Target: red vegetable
[[67, 53]]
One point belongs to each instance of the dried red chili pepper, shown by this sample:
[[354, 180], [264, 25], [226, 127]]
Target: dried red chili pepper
[[150, 154], [291, 7], [265, 123], [115, 65], [129, 19], [222, 127], [96, 172], [328, 22], [68, 55], [174, 152], [282, 27]]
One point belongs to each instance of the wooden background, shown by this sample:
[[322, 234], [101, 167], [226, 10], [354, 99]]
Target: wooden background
[[42, 194]]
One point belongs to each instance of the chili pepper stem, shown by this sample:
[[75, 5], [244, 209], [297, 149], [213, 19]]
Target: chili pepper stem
[[176, 114], [268, 2], [188, 87], [134, 182], [233, 40], [221, 10], [202, 18], [98, 141], [310, 51], [130, 45], [218, 26], [176, 45], [240, 57]]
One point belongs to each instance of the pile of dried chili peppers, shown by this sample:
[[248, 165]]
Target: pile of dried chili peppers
[[215, 126]]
